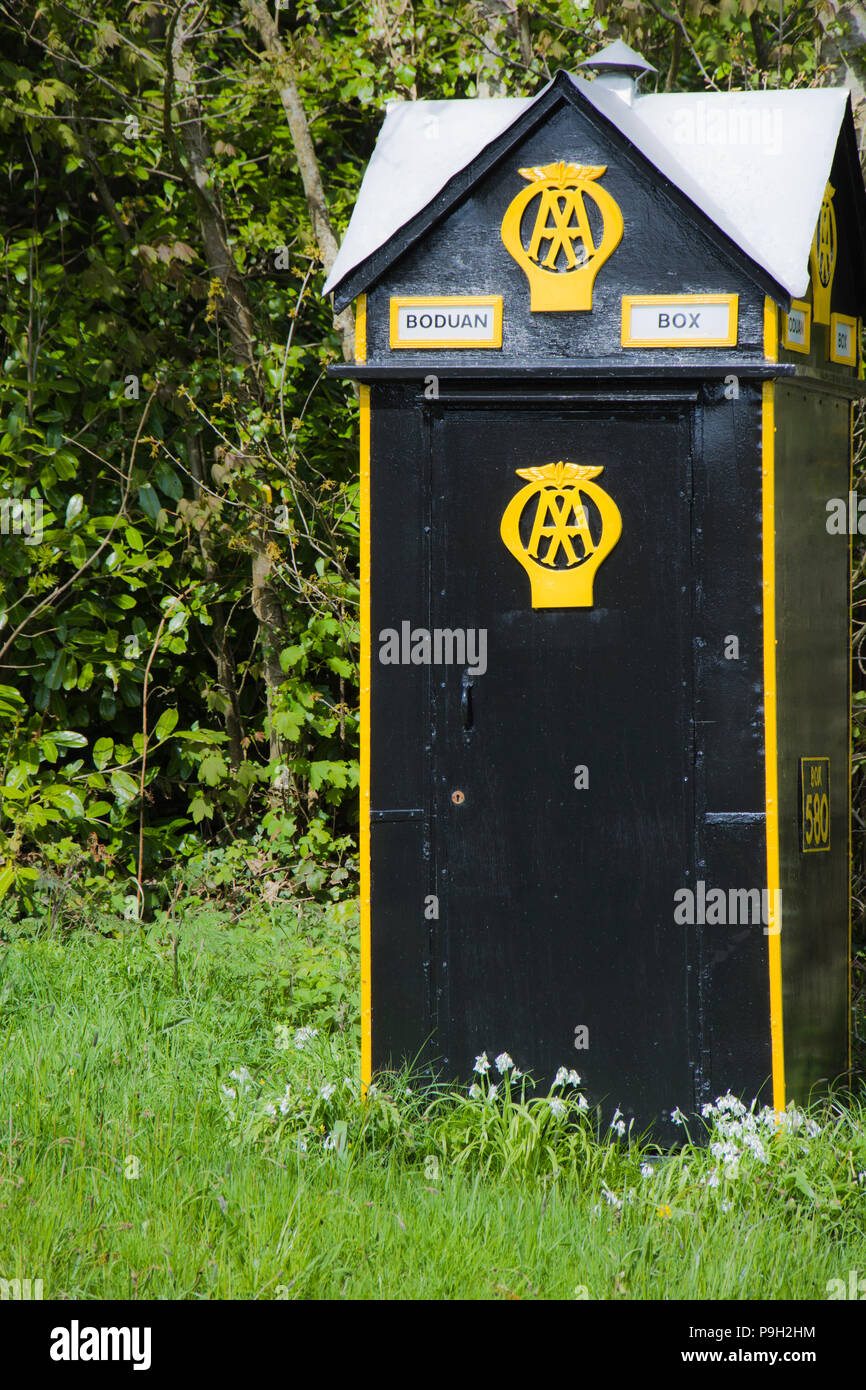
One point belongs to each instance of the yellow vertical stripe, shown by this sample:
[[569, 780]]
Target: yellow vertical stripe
[[361, 329], [364, 836], [850, 731], [774, 926], [771, 330]]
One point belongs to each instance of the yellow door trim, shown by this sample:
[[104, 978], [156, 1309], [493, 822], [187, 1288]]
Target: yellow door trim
[[364, 833], [771, 771]]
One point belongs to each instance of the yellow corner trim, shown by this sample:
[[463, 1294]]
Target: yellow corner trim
[[364, 831], [454, 302], [771, 330], [771, 773], [798, 306], [726, 339], [844, 321], [361, 329]]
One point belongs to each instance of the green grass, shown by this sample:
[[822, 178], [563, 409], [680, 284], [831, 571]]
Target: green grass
[[113, 1062]]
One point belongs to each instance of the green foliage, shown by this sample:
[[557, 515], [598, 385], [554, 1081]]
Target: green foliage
[[179, 557], [124, 420]]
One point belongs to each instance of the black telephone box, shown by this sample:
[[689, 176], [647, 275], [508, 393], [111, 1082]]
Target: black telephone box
[[606, 415]]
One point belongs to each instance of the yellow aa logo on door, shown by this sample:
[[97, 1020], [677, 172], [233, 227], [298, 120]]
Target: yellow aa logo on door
[[563, 247], [560, 527]]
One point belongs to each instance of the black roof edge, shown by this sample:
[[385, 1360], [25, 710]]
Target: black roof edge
[[561, 88], [357, 280], [848, 139]]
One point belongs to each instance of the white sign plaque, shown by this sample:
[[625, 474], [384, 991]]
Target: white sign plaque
[[679, 320], [446, 321]]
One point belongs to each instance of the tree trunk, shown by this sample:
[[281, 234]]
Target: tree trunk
[[226, 677], [192, 154], [305, 152]]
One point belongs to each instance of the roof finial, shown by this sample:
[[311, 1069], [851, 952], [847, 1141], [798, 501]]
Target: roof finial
[[619, 69]]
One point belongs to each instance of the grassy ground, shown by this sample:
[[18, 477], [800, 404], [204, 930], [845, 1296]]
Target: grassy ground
[[134, 1164]]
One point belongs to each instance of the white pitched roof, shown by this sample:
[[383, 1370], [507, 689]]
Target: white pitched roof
[[756, 163], [421, 145]]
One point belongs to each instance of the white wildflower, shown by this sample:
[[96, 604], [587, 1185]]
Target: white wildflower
[[727, 1152], [326, 1091], [646, 1170], [303, 1036], [752, 1142], [557, 1107], [731, 1103], [561, 1077], [482, 1064], [475, 1091], [503, 1063]]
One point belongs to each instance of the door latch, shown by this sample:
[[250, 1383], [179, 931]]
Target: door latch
[[466, 684]]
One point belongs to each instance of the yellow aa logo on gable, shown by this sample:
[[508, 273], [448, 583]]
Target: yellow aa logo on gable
[[825, 246], [559, 248], [562, 542]]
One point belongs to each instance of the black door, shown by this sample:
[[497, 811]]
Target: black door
[[562, 810]]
